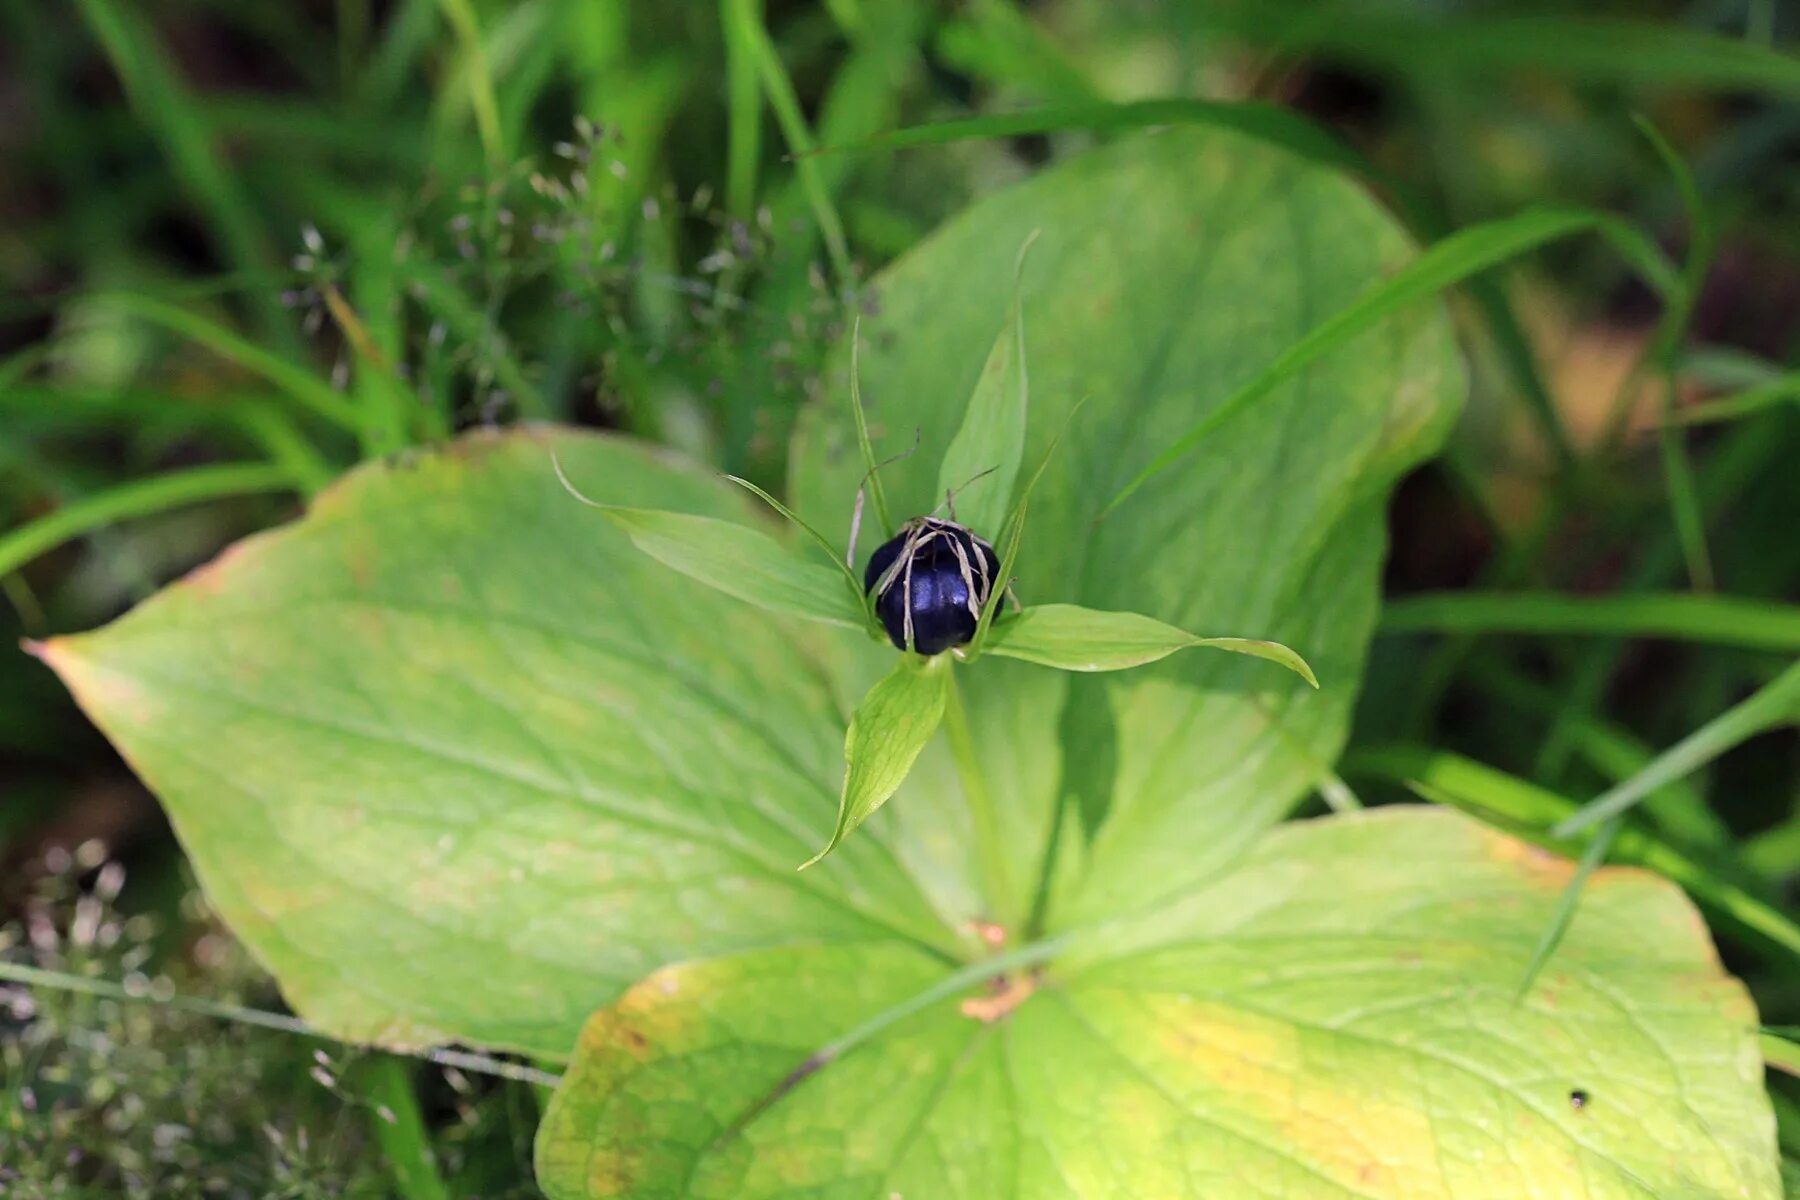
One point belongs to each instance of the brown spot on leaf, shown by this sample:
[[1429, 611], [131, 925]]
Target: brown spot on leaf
[[1005, 993], [1540, 866], [992, 935]]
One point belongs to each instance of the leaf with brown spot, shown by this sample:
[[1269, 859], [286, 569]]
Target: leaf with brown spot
[[1258, 1036]]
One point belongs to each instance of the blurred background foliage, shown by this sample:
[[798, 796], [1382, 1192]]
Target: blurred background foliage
[[244, 246]]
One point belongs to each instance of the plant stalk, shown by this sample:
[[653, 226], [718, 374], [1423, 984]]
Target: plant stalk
[[995, 876]]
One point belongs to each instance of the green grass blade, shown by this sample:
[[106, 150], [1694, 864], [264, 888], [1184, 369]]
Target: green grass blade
[[461, 15], [1720, 620], [385, 403], [298, 384], [1746, 403], [1679, 809], [1591, 858], [463, 317], [997, 42], [399, 1129], [1775, 852], [1529, 811], [1780, 1053], [140, 498], [1408, 40], [163, 102], [1448, 262], [406, 35], [748, 31], [743, 102], [1775, 703], [1678, 469], [871, 467]]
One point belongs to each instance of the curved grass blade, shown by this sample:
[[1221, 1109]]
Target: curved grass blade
[[1779, 1051], [140, 498], [181, 123], [1071, 638], [1526, 810], [1591, 858], [1775, 703], [982, 462], [1750, 401], [886, 734], [300, 385], [467, 27], [752, 39], [871, 468], [1678, 469], [1450, 261]]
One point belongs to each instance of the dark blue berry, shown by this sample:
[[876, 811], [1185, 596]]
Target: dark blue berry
[[937, 590]]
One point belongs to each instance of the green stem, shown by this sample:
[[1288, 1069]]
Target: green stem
[[996, 878]]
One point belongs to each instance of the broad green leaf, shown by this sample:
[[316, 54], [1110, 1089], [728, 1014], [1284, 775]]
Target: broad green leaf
[[982, 463], [1170, 269], [741, 562], [1072, 638], [1460, 256], [1337, 1016], [890, 727], [458, 761]]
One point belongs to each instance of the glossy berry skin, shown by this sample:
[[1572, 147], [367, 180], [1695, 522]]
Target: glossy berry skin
[[937, 591]]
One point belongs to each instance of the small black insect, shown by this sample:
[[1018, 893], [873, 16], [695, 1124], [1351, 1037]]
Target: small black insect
[[930, 584], [1578, 1099]]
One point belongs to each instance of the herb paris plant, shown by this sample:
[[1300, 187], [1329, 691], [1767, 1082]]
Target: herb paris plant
[[936, 586], [460, 762]]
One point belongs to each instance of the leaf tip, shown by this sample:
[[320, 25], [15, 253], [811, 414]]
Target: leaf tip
[[54, 653]]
